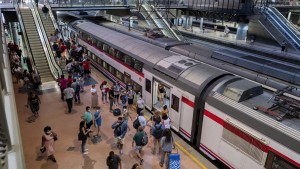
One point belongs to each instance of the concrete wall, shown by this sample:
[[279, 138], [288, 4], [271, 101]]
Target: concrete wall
[[255, 28]]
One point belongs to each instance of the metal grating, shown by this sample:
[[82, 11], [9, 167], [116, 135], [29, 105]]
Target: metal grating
[[3, 149]]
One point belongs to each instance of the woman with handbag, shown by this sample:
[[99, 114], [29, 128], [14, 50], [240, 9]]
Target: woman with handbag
[[48, 143]]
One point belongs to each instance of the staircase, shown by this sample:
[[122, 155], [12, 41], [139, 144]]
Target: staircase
[[35, 44]]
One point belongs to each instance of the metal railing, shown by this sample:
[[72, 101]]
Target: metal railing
[[54, 68]]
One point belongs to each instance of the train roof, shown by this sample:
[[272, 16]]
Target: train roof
[[187, 70]]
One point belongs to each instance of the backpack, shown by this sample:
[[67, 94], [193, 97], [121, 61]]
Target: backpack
[[144, 139], [77, 88], [158, 132], [136, 123], [118, 130]]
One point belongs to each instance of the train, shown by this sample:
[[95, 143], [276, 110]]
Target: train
[[231, 119]]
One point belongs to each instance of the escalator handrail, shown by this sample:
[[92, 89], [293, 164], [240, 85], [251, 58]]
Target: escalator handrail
[[27, 44], [55, 69]]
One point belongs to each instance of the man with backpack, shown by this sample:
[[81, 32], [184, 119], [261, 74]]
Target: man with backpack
[[140, 139], [113, 161], [120, 129], [45, 12], [157, 133], [76, 88]]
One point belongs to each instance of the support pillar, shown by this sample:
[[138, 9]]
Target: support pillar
[[241, 33]]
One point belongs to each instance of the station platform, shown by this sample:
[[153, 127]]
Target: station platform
[[53, 112]]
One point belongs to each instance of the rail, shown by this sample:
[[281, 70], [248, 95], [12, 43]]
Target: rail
[[24, 34], [54, 68]]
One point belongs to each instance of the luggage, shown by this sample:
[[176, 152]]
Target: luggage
[[117, 112], [174, 160]]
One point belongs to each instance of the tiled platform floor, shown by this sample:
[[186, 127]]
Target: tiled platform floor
[[53, 112]]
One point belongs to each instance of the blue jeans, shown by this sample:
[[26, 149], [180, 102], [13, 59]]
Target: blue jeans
[[83, 145], [104, 97], [77, 97]]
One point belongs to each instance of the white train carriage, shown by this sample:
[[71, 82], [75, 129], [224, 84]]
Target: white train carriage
[[209, 107]]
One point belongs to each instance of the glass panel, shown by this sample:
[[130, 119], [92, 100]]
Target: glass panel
[[280, 163], [85, 36], [94, 41], [90, 39], [136, 87], [119, 75], [99, 61], [105, 65], [120, 56], [94, 57], [112, 70], [85, 50], [105, 48], [89, 54], [129, 61], [138, 66], [127, 78], [99, 45], [175, 103], [148, 85], [112, 51]]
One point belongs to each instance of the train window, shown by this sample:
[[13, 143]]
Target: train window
[[138, 65], [94, 57], [105, 48], [111, 51], [136, 87], [84, 50], [129, 61], [127, 78], [105, 66], [119, 55], [85, 37], [112, 70], [99, 61], [99, 45], [94, 41], [175, 103], [89, 53], [148, 85], [119, 75], [274, 161]]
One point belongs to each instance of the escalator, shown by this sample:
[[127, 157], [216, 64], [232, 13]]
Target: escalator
[[37, 43], [279, 27], [154, 18]]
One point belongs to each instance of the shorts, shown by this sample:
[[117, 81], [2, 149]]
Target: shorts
[[138, 148], [116, 96], [130, 101], [119, 140], [161, 95]]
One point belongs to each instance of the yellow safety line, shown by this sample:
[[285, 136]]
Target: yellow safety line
[[190, 155]]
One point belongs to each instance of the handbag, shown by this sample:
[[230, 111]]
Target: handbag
[[43, 149]]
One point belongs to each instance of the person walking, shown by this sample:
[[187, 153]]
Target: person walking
[[130, 94], [140, 104], [69, 93], [75, 85], [120, 129], [45, 11], [126, 115], [62, 83], [166, 143], [113, 161], [137, 139], [111, 99], [94, 97], [142, 120], [157, 133], [283, 46], [88, 117], [83, 131], [48, 143], [98, 121], [117, 90], [34, 103]]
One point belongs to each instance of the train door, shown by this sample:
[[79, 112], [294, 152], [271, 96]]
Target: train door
[[161, 95], [175, 107]]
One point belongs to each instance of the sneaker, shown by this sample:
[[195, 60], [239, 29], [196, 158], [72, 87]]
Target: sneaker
[[121, 152], [142, 161], [54, 160], [85, 153], [86, 149]]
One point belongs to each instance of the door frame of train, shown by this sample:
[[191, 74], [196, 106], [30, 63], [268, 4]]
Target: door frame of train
[[174, 115], [154, 91]]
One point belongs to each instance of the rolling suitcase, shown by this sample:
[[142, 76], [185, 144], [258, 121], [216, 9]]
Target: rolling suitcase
[[174, 160], [117, 112]]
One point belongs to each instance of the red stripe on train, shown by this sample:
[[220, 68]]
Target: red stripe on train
[[113, 58], [188, 102], [247, 137]]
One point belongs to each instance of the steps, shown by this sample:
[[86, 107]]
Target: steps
[[34, 40]]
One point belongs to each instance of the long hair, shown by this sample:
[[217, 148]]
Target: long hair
[[168, 135]]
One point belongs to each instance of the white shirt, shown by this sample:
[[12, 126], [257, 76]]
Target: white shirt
[[143, 121], [167, 123], [104, 88], [93, 90], [140, 103]]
